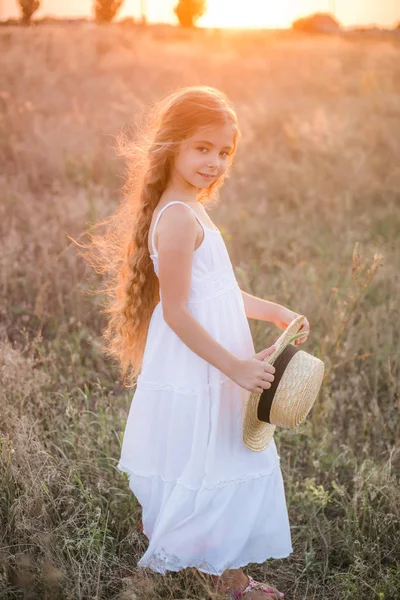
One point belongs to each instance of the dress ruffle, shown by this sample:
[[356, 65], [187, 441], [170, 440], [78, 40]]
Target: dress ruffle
[[213, 528]]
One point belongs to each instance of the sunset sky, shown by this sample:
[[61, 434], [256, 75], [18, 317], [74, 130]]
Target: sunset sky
[[234, 13]]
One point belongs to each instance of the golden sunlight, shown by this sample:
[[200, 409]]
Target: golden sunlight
[[252, 13]]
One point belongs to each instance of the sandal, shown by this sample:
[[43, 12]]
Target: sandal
[[252, 584]]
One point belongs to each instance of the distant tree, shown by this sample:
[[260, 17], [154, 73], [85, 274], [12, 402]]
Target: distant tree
[[28, 8], [188, 11], [105, 10], [317, 23]]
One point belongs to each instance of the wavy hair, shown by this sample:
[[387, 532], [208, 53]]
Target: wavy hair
[[121, 254]]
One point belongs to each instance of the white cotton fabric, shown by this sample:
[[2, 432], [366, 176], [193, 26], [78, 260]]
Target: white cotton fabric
[[207, 500]]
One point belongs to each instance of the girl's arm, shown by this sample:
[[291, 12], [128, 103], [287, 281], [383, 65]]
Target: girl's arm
[[176, 234], [263, 310]]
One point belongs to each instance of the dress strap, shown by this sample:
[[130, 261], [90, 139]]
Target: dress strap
[[159, 215]]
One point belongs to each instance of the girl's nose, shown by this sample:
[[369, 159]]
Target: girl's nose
[[213, 164]]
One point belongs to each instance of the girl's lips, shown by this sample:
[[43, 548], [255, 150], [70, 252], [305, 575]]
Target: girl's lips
[[207, 176]]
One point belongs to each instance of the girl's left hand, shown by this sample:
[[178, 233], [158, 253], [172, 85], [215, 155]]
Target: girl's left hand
[[285, 316]]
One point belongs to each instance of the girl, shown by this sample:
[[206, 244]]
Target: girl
[[178, 325]]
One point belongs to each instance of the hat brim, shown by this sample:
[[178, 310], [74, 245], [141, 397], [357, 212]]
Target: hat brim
[[256, 434]]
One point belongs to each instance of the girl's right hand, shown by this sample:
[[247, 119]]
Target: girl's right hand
[[253, 374]]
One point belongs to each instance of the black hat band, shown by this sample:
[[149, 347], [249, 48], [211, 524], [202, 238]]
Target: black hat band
[[267, 396]]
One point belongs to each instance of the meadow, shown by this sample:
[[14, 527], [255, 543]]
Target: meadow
[[311, 218]]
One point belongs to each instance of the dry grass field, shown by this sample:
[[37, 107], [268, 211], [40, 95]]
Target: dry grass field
[[311, 218]]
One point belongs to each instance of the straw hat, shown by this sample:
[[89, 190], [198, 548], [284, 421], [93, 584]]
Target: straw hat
[[297, 381]]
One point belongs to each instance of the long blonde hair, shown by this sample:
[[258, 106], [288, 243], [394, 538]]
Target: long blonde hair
[[121, 254]]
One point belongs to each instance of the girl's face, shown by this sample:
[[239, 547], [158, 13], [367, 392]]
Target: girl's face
[[203, 158]]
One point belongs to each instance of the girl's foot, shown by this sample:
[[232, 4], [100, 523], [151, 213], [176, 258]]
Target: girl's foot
[[236, 581]]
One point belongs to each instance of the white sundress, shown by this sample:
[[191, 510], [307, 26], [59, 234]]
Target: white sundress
[[207, 500]]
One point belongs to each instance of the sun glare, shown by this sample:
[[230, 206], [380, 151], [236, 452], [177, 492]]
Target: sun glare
[[252, 13]]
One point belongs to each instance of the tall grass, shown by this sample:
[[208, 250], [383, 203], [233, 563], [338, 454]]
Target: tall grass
[[311, 218]]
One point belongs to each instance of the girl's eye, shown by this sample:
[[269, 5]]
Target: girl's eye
[[204, 148]]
